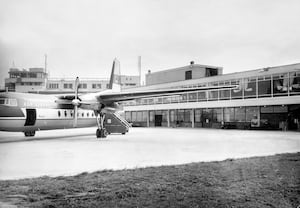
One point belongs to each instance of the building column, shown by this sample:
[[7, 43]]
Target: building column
[[148, 118], [193, 118], [168, 117]]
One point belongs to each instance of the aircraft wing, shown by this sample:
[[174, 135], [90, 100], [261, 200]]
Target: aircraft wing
[[124, 96]]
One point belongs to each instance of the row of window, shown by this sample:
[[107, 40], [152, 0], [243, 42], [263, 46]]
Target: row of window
[[70, 86], [268, 86], [66, 113], [31, 83], [8, 101], [233, 114], [26, 75]]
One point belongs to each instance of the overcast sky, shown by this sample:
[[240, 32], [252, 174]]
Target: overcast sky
[[81, 38]]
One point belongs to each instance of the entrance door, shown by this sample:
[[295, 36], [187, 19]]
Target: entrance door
[[30, 117], [158, 120]]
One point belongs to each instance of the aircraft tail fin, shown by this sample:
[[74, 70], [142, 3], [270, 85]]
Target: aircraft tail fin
[[115, 77]]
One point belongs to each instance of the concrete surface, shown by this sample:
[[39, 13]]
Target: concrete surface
[[69, 152]]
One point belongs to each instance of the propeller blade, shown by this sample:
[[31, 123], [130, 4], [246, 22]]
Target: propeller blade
[[76, 87], [75, 116], [75, 102]]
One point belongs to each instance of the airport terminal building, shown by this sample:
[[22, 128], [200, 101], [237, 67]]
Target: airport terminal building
[[267, 98]]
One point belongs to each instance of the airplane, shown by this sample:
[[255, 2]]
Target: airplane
[[28, 112]]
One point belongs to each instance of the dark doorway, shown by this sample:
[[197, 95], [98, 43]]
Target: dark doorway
[[294, 117], [158, 120], [31, 117]]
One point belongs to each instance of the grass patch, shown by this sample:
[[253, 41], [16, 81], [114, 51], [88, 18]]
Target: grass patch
[[271, 181]]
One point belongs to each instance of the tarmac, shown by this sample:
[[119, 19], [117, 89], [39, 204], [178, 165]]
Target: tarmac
[[73, 151]]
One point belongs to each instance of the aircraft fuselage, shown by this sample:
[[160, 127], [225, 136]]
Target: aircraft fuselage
[[23, 112]]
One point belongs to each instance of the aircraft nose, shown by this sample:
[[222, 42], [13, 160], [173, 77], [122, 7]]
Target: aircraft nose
[[10, 111]]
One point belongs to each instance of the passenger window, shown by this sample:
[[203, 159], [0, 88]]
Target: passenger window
[[87, 114], [58, 113], [82, 114], [66, 113]]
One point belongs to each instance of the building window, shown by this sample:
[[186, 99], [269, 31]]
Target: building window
[[202, 96], [68, 86], [58, 113], [213, 94], [264, 87], [198, 115], [237, 93], [211, 72], [83, 86], [188, 75], [96, 86], [66, 113], [295, 83], [228, 114], [240, 114], [128, 116], [250, 87], [145, 116], [139, 116], [251, 113], [53, 86], [217, 115]]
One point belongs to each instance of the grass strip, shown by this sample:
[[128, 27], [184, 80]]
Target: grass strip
[[272, 181]]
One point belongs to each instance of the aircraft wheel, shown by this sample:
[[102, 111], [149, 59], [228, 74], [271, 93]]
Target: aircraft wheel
[[98, 133], [101, 133], [29, 133]]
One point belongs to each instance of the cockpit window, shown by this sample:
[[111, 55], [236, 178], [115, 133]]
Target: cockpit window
[[8, 101]]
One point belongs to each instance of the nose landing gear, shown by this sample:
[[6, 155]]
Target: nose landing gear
[[101, 131], [29, 133]]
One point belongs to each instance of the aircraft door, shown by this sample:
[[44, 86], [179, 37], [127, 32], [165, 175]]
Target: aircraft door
[[30, 117]]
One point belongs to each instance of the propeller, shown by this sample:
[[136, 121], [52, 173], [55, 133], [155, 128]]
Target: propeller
[[76, 102]]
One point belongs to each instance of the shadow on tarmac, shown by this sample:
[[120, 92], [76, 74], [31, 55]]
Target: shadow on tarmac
[[41, 138]]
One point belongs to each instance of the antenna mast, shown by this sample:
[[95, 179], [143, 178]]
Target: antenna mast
[[140, 69]]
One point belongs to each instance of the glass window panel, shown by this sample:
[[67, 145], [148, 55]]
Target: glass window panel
[[139, 116], [294, 83], [240, 114], [280, 84], [217, 115], [151, 114], [237, 93], [251, 113], [224, 94], [164, 116], [172, 115], [192, 97], [174, 99], [145, 116], [249, 88], [228, 114], [166, 100], [128, 116], [187, 115], [280, 109], [201, 95], [198, 115], [266, 109], [264, 88], [207, 115], [180, 114], [184, 97], [133, 116], [213, 94]]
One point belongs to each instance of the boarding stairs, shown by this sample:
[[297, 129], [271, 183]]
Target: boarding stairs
[[115, 123]]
